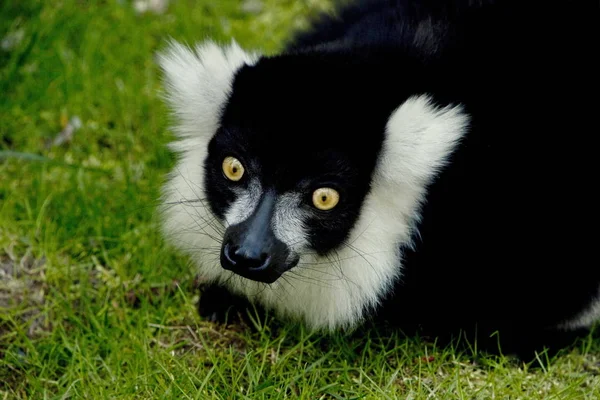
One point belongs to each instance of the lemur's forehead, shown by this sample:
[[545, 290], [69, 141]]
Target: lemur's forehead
[[298, 122], [304, 95]]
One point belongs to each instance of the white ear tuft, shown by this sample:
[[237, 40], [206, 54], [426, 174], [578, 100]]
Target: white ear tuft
[[198, 82], [420, 137]]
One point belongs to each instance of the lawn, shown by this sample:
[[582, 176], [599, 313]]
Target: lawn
[[93, 304]]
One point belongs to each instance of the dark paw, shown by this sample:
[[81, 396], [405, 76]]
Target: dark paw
[[218, 305]]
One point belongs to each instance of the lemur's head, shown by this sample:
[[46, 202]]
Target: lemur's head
[[300, 176]]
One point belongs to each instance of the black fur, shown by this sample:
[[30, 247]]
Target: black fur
[[507, 239]]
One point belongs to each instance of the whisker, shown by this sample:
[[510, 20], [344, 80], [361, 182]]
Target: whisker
[[309, 280], [201, 227], [287, 281], [363, 231], [341, 259], [320, 271], [185, 202], [262, 287], [192, 189], [351, 247]]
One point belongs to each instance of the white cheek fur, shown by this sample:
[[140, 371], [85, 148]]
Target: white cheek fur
[[245, 204], [289, 222]]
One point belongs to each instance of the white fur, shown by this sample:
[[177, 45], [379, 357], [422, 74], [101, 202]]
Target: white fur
[[198, 83], [426, 135], [325, 292], [245, 203], [288, 222], [586, 318]]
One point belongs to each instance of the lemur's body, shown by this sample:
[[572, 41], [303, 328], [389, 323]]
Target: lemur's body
[[461, 175]]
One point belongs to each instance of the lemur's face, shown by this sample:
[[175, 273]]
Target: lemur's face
[[279, 196], [285, 173], [297, 184]]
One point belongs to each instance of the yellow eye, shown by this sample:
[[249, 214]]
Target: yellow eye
[[325, 198], [233, 169]]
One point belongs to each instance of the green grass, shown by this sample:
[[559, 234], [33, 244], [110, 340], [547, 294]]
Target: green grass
[[92, 302]]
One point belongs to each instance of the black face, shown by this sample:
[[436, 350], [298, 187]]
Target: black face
[[295, 126]]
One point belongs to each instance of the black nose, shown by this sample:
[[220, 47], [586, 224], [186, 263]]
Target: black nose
[[241, 258], [250, 248], [251, 262]]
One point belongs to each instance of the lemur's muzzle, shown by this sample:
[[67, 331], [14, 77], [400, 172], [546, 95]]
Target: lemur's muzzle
[[250, 248]]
